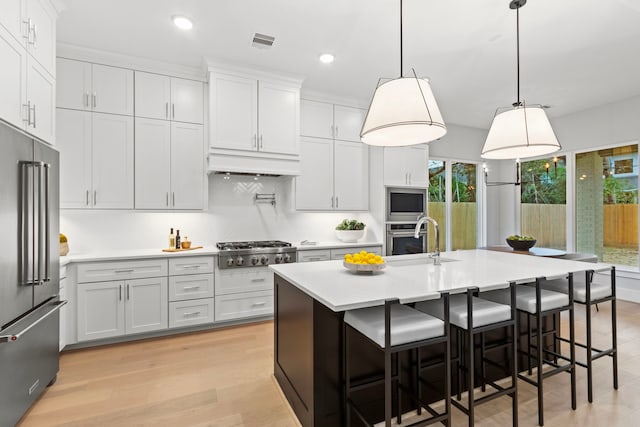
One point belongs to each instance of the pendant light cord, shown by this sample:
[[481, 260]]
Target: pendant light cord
[[518, 50], [401, 69]]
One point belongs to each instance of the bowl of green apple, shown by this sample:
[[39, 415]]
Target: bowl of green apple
[[521, 243]]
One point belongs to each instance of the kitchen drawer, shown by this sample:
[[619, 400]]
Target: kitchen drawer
[[191, 286], [232, 281], [314, 255], [188, 313], [121, 270], [240, 306], [339, 253], [191, 265]]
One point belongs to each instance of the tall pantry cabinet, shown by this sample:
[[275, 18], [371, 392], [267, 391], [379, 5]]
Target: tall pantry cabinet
[[28, 69]]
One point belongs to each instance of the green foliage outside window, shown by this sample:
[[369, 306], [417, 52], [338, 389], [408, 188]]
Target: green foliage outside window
[[543, 182]]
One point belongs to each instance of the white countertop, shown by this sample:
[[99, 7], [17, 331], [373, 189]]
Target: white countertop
[[340, 289], [133, 254]]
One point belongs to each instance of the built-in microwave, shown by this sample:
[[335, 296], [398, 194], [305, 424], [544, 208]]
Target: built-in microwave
[[405, 204]]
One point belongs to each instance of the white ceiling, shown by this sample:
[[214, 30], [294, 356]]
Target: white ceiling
[[575, 54]]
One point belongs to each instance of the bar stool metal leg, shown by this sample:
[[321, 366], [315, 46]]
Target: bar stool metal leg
[[614, 327]]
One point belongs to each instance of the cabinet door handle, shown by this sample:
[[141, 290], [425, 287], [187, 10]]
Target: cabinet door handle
[[167, 202], [173, 111], [258, 280], [87, 197], [166, 110], [190, 288], [28, 107], [336, 136], [95, 197], [128, 292], [258, 304], [95, 100], [34, 115], [191, 266], [173, 199], [315, 258], [337, 204], [261, 142], [255, 141], [119, 292], [35, 36], [85, 99], [333, 132], [331, 202], [28, 35], [129, 270]]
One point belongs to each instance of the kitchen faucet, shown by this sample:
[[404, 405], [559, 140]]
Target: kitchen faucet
[[421, 220]]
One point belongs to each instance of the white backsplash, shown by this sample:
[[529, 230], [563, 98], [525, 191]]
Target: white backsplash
[[233, 215]]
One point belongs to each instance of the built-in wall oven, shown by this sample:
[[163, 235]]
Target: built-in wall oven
[[405, 204], [401, 240]]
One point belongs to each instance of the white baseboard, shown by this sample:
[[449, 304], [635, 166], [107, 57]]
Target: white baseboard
[[627, 294]]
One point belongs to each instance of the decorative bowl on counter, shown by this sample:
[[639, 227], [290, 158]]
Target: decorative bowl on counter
[[520, 244], [349, 236], [363, 268]]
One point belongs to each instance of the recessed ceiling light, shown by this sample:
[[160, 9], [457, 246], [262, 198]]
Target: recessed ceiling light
[[182, 22], [327, 58]]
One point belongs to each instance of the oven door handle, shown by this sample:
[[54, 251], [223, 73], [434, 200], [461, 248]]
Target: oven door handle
[[404, 233]]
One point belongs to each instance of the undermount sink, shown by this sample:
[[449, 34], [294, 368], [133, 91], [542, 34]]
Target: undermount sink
[[416, 261]]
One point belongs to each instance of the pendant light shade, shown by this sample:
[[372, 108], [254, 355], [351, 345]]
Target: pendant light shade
[[520, 132], [523, 130], [403, 111]]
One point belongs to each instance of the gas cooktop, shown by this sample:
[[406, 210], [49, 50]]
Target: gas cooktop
[[254, 253]]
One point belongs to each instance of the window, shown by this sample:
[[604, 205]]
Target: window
[[453, 203], [543, 201], [607, 204]]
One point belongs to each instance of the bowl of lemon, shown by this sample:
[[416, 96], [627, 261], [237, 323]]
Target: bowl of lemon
[[363, 262]]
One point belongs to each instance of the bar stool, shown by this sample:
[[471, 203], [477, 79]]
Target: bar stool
[[536, 302], [394, 328], [588, 293], [473, 316]]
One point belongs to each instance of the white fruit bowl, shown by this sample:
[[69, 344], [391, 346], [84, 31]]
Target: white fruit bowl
[[349, 236]]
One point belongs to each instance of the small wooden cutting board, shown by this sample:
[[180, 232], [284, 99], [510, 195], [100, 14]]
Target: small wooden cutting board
[[181, 250]]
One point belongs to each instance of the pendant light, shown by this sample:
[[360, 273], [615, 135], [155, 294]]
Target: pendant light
[[522, 130], [403, 111]]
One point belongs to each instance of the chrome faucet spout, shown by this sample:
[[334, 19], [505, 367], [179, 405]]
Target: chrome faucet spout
[[416, 234]]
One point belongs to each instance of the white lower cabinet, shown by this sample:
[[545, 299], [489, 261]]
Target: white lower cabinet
[[314, 255], [191, 290], [62, 294], [111, 309], [335, 253], [243, 293], [340, 253], [244, 305]]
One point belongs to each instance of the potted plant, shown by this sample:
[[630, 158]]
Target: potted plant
[[350, 230]]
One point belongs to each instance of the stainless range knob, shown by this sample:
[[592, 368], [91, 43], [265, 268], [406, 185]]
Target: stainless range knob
[[254, 260], [287, 258], [239, 260], [230, 262], [278, 259], [264, 260]]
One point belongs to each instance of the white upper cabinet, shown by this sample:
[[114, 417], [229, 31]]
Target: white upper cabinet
[[169, 165], [406, 166], [27, 71], [335, 176], [314, 187], [348, 123], [325, 120], [168, 98], [254, 115], [94, 87], [96, 160]]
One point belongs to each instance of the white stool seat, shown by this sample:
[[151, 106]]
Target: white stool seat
[[407, 325], [598, 290], [526, 298], [484, 312]]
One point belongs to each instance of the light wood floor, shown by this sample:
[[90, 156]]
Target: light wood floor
[[224, 378]]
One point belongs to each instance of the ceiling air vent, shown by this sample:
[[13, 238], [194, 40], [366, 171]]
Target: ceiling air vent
[[262, 41]]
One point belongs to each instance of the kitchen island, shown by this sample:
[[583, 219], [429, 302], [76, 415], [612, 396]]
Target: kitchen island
[[310, 300]]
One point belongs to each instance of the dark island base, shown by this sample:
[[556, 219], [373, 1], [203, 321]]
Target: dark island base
[[308, 360]]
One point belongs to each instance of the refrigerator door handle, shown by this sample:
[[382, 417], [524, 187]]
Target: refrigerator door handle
[[27, 225], [15, 337], [47, 223]]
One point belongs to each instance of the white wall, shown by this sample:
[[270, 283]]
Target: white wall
[[460, 143], [232, 216]]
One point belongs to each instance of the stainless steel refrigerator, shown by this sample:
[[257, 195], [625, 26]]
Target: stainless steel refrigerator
[[29, 271]]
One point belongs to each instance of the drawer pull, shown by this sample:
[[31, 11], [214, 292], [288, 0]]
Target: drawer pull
[[258, 304], [190, 288], [315, 258], [131, 270], [193, 313], [258, 280], [191, 266]]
